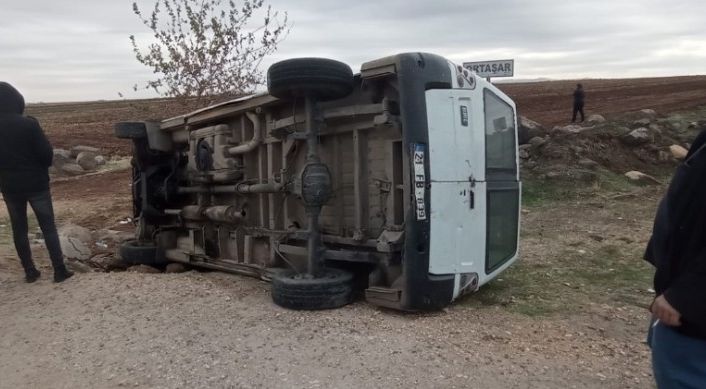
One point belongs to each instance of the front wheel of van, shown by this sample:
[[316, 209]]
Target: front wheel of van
[[333, 288], [136, 252]]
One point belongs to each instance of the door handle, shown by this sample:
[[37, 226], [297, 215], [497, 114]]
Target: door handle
[[471, 199]]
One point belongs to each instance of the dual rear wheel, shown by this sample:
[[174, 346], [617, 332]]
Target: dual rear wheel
[[319, 79]]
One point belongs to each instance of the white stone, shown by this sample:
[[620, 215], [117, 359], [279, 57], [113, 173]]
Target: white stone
[[87, 160], [634, 175], [74, 248], [72, 169], [76, 150], [74, 231], [678, 152], [637, 137], [596, 118]]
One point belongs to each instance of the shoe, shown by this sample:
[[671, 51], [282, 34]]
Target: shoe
[[63, 275], [32, 276]]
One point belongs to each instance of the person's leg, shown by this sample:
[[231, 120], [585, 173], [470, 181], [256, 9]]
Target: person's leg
[[43, 209], [581, 110], [678, 361], [17, 209], [576, 109]]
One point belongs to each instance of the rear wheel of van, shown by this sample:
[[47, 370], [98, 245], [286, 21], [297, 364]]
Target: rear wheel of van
[[319, 78], [136, 252], [333, 288], [130, 130]]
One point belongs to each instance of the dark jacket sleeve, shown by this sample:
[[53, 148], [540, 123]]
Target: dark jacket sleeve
[[45, 153], [688, 292]]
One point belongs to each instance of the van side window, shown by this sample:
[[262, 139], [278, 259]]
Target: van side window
[[499, 137]]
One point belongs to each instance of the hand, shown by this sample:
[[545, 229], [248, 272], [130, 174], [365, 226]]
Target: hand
[[662, 310]]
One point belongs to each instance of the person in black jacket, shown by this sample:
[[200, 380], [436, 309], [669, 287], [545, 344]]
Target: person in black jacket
[[677, 249], [25, 157], [579, 97]]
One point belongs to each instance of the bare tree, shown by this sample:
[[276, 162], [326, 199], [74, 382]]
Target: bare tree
[[208, 49]]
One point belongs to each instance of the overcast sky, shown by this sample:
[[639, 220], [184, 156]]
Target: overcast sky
[[79, 49]]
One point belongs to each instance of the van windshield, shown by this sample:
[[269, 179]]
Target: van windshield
[[499, 137]]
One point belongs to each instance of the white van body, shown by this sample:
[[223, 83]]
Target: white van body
[[424, 180]]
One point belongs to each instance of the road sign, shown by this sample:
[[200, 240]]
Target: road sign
[[500, 68]]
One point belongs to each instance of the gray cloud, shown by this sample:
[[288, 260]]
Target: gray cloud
[[79, 50]]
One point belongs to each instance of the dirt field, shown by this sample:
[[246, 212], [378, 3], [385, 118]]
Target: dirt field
[[570, 314], [70, 124], [550, 102]]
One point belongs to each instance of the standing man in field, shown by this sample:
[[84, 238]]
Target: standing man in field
[[678, 251], [25, 157], [579, 97]]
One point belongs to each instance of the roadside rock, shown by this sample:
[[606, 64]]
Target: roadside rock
[[524, 154], [637, 137], [100, 160], [649, 112], [87, 160], [641, 177], [678, 152], [642, 122], [697, 124], [143, 269], [72, 169], [74, 231], [74, 248], [529, 129], [78, 266], [76, 150], [62, 152], [537, 141], [61, 158], [176, 268], [596, 118]]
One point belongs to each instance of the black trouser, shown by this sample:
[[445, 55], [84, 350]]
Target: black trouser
[[578, 107], [41, 204]]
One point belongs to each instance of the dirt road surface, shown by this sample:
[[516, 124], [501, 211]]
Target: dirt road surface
[[195, 330]]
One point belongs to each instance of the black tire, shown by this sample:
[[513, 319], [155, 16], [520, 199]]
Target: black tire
[[130, 130], [320, 78], [135, 252], [332, 289]]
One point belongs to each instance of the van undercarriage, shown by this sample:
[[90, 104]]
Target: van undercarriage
[[322, 186]]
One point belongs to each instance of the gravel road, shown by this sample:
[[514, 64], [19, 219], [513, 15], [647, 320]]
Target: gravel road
[[195, 330]]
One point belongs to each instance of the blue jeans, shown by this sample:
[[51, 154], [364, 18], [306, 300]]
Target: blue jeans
[[41, 204], [678, 361]]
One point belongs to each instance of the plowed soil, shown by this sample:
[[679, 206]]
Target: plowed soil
[[548, 102]]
